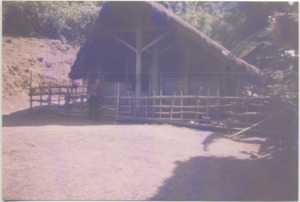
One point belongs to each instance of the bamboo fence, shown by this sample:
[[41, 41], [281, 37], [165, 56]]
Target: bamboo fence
[[219, 110]]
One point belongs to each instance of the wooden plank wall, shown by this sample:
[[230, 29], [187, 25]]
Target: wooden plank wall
[[171, 85]]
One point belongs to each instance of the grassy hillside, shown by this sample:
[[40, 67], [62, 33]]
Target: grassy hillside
[[48, 60]]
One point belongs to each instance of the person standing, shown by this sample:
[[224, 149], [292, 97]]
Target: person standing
[[95, 95]]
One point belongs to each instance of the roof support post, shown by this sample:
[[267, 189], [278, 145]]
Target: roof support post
[[224, 83], [126, 69], [138, 69], [186, 72], [219, 75], [155, 69]]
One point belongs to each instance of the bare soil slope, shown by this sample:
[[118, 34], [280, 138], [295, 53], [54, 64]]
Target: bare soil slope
[[48, 60]]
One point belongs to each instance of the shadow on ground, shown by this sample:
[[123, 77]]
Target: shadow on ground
[[41, 118], [210, 178], [269, 175]]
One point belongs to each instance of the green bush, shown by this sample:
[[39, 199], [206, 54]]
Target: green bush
[[66, 21]]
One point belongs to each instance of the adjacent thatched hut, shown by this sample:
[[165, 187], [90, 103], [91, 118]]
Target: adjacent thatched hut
[[150, 48]]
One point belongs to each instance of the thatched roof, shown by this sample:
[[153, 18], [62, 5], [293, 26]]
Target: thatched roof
[[179, 25]]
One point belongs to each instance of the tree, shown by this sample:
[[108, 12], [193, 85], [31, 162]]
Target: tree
[[67, 21]]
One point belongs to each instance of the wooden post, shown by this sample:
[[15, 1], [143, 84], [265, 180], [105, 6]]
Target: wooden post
[[88, 80], [75, 97], [126, 69], [173, 100], [235, 94], [41, 97], [81, 103], [30, 92], [161, 80], [207, 103], [71, 96], [223, 79], [181, 103], [218, 103], [186, 73], [155, 68], [115, 93], [50, 96], [49, 99], [197, 103], [247, 108], [138, 82], [260, 107], [59, 92], [118, 97], [150, 85], [153, 103], [146, 107], [238, 87], [135, 106], [160, 103], [129, 104], [197, 110], [67, 100]]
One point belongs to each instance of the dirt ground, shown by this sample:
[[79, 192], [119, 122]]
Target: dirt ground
[[70, 158]]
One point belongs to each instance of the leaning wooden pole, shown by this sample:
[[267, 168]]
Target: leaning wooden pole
[[260, 122]]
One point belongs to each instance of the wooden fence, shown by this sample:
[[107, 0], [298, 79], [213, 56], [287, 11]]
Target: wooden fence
[[58, 97], [229, 111], [215, 110]]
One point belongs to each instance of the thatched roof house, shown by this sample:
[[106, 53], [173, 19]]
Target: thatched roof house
[[146, 45]]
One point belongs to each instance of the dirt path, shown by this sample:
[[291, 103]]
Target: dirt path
[[57, 160]]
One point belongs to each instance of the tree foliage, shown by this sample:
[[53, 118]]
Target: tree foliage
[[284, 30], [67, 21], [228, 22]]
